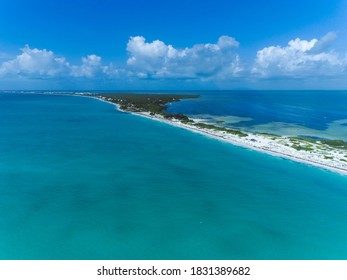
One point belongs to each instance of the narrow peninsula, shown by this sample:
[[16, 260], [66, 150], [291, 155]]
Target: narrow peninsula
[[327, 154]]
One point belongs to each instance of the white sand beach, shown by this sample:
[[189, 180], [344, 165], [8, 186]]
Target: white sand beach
[[319, 155]]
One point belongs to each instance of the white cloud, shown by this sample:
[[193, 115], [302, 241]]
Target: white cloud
[[91, 65], [215, 63], [325, 42], [148, 56], [139, 47], [300, 58], [225, 42], [204, 61], [35, 62]]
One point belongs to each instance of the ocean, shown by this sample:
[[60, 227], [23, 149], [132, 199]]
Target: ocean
[[81, 180], [316, 114]]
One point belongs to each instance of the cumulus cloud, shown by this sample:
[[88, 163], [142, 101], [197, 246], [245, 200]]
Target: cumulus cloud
[[35, 62], [225, 42], [159, 60], [148, 57], [216, 63], [301, 58], [90, 67]]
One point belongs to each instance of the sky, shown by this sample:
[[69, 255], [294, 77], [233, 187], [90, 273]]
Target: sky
[[173, 45]]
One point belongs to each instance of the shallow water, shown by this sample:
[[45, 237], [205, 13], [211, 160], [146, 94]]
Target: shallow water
[[321, 114], [80, 180]]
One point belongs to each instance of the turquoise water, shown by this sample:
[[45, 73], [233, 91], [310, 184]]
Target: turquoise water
[[80, 180], [321, 114]]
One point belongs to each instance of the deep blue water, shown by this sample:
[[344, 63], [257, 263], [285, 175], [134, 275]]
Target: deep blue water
[[80, 180], [308, 109]]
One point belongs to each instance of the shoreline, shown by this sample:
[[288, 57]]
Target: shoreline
[[255, 142]]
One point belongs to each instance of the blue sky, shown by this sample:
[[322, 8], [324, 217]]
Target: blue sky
[[153, 44]]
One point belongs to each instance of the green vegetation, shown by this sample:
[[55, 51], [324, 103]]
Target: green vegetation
[[267, 134], [300, 144], [310, 140], [336, 144], [218, 128], [181, 117], [292, 140], [298, 147], [156, 104], [340, 144], [328, 157], [152, 103]]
